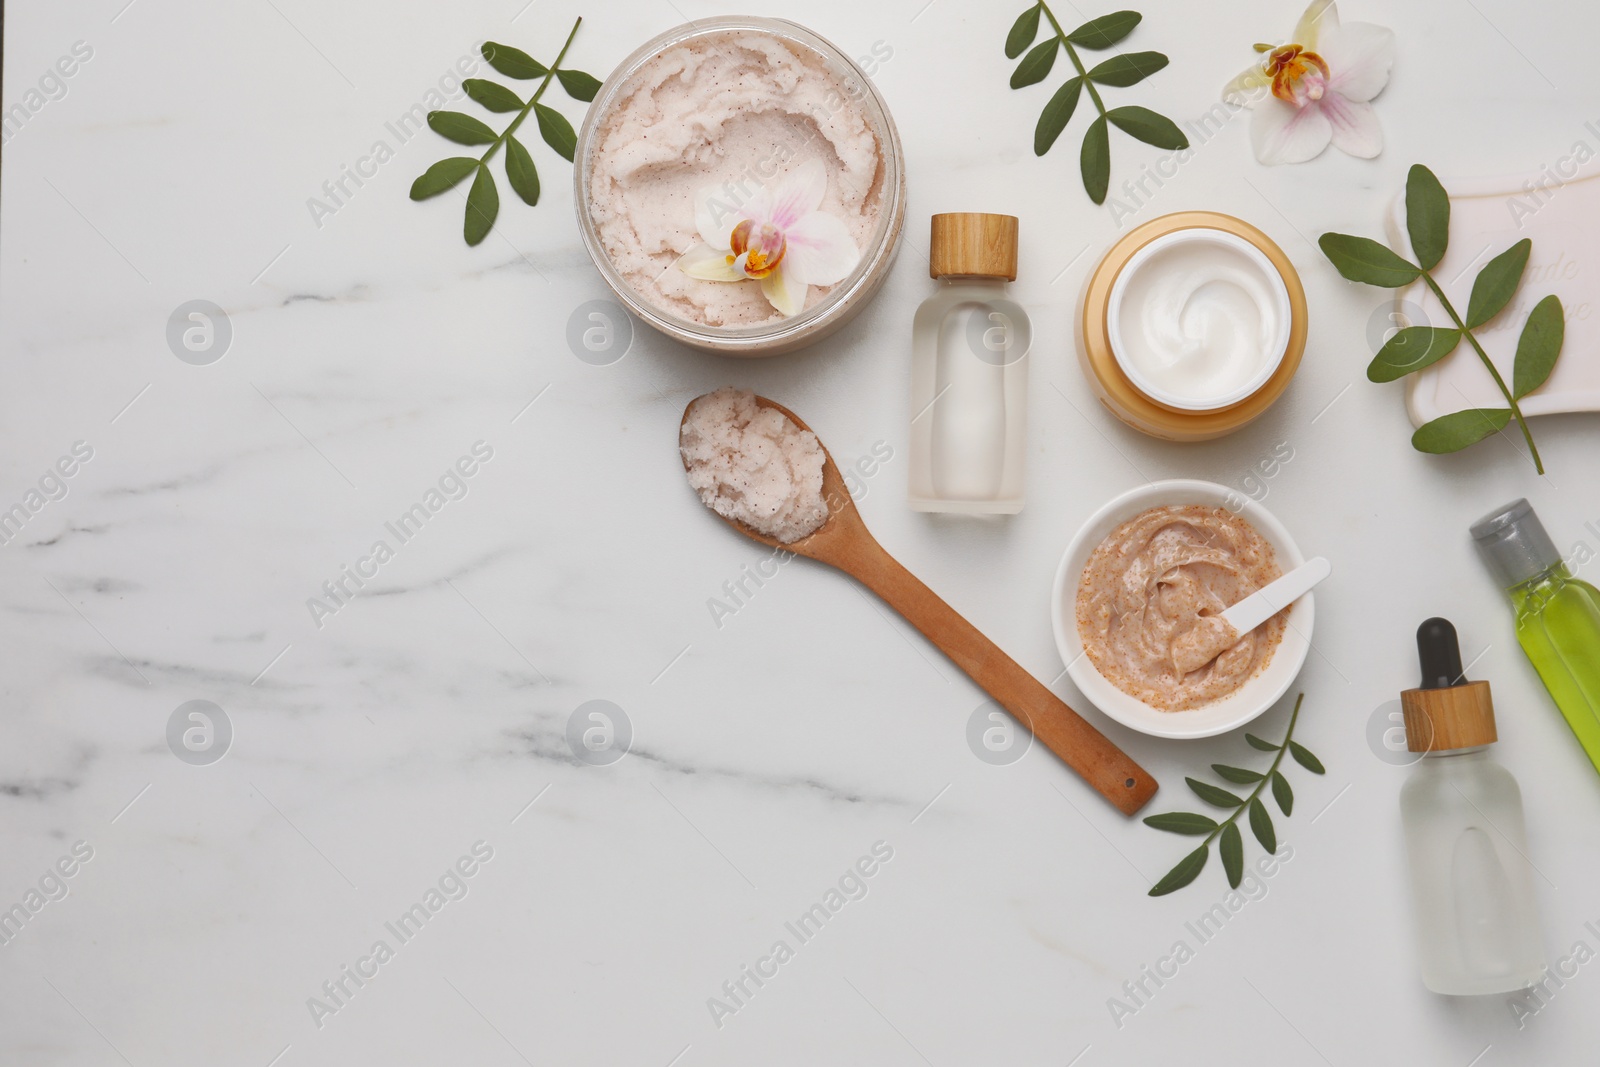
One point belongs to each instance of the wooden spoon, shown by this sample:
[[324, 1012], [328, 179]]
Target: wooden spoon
[[842, 541]]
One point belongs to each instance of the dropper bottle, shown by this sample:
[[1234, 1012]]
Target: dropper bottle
[[1558, 616], [1476, 918]]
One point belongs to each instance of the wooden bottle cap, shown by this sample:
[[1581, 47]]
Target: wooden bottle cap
[[973, 244], [1437, 720]]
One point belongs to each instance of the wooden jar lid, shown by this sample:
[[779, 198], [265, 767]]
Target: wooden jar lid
[[1461, 716], [973, 244]]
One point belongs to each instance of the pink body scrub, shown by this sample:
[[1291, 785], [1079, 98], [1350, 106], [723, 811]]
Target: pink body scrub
[[752, 464], [732, 111]]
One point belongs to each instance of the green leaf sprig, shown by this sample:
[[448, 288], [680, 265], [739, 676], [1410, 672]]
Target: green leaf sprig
[[483, 199], [1412, 348], [1230, 843], [1120, 71]]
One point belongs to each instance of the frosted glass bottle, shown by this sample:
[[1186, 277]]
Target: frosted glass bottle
[[1477, 921], [1477, 929], [969, 373]]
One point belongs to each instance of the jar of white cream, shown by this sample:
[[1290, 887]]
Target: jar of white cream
[[1192, 325]]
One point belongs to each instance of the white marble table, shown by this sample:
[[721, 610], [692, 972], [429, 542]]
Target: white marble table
[[428, 716]]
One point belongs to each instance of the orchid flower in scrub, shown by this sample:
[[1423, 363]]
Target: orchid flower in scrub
[[1322, 84], [776, 237]]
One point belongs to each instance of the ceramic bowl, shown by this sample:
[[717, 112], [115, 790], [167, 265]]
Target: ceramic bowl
[[1243, 705]]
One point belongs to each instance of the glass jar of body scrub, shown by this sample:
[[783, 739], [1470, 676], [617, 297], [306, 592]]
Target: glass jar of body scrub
[[729, 108], [1191, 326]]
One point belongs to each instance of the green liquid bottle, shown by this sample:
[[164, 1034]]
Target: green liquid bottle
[[1558, 616]]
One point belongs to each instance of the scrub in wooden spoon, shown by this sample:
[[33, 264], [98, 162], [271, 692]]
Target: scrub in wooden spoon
[[752, 464]]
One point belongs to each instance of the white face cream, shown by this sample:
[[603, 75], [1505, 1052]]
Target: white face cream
[[1199, 319]]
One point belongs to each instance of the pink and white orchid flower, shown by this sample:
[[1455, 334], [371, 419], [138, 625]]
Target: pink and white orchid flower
[[776, 237], [1321, 86]]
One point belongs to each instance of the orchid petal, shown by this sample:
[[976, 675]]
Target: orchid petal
[[716, 214], [757, 207], [709, 264], [820, 250], [798, 195], [1359, 56], [785, 291], [1248, 88], [1283, 133], [1320, 18], [1356, 129]]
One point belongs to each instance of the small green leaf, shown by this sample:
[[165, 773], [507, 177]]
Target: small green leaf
[[1126, 69], [1187, 870], [1214, 795], [1362, 259], [1149, 127], [1459, 429], [1230, 846], [513, 62], [1057, 113], [520, 171], [1497, 283], [556, 130], [1106, 30], [1539, 345], [1023, 31], [462, 129], [1036, 64], [1282, 793], [1427, 216], [1261, 825], [483, 204], [1302, 755], [492, 95], [445, 174], [1182, 822], [1260, 745], [1236, 774], [579, 86], [1410, 349], [1094, 159]]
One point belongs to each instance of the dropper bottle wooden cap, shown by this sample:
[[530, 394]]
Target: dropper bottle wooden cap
[[973, 244], [1446, 711]]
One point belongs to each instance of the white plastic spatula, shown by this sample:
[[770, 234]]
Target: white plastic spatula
[[1216, 634]]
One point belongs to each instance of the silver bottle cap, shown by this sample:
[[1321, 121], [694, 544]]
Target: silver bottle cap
[[1513, 542]]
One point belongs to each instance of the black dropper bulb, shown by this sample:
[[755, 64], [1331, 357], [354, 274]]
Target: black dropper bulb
[[1440, 654]]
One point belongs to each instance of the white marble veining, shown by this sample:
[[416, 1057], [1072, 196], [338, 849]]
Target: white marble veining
[[427, 716]]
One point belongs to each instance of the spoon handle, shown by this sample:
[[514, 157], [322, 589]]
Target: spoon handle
[[1109, 770]]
